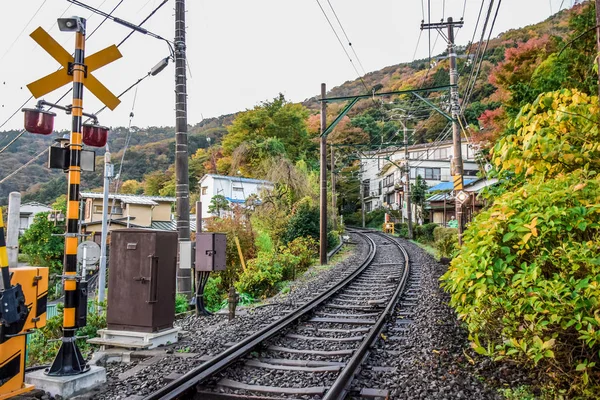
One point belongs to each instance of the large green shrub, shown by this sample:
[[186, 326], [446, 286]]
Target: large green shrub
[[41, 247], [304, 222], [527, 280]]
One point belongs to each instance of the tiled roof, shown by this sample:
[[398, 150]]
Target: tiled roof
[[448, 185], [170, 225]]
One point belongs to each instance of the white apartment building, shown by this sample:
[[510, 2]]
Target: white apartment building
[[383, 179], [27, 213], [235, 189]]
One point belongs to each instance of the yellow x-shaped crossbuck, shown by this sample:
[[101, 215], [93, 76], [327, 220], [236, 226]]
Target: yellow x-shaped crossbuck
[[61, 77]]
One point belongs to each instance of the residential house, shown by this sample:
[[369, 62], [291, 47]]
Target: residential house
[[441, 205], [27, 213], [384, 181], [125, 210], [234, 188]]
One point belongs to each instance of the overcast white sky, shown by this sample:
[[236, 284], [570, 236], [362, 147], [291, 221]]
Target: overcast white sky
[[240, 52]]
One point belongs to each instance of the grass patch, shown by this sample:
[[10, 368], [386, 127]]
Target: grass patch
[[518, 393], [428, 248]]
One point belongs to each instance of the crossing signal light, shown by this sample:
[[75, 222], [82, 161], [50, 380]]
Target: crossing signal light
[[95, 135], [38, 121]]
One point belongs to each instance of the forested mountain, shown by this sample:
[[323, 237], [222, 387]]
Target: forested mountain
[[517, 65]]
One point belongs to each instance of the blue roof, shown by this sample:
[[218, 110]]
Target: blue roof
[[238, 201], [448, 185]]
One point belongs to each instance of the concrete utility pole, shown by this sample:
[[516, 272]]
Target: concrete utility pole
[[407, 175], [323, 179], [184, 275], [457, 163], [108, 174], [12, 231]]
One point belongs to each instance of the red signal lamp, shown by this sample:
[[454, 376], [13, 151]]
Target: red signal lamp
[[38, 121], [95, 135]]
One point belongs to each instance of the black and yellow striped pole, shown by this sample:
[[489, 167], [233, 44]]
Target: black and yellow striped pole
[[69, 360]]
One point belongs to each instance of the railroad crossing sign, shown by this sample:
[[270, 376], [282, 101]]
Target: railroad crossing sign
[[64, 75]]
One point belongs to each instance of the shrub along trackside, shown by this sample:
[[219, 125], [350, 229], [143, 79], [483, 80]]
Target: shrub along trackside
[[527, 280]]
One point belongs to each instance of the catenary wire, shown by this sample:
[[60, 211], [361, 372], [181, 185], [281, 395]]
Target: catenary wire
[[343, 47], [347, 38], [23, 30]]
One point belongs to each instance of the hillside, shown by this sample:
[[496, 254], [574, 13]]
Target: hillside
[[151, 149]]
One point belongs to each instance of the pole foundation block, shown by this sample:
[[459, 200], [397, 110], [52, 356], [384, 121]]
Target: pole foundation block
[[67, 386]]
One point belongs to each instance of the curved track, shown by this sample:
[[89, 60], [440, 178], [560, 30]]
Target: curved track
[[321, 344]]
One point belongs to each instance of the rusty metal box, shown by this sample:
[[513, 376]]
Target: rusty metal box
[[141, 280], [210, 251]]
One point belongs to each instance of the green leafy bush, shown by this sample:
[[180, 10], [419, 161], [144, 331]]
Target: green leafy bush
[[264, 273], [304, 222], [424, 233], [213, 294], [375, 218], [401, 229], [527, 282], [445, 241], [181, 304], [41, 247]]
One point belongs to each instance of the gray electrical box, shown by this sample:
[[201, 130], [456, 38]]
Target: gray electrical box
[[210, 251]]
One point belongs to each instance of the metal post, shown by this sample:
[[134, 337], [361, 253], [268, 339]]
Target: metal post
[[362, 200], [108, 174], [184, 276], [12, 231], [69, 360], [407, 191], [457, 162], [323, 179], [199, 295]]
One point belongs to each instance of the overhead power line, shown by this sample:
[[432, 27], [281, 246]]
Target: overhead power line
[[347, 38], [23, 30], [343, 47]]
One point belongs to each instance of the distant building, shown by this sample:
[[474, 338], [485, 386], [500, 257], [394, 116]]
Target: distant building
[[234, 188], [383, 181], [28, 211]]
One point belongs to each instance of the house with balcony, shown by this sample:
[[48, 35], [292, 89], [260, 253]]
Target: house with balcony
[[235, 189], [383, 173]]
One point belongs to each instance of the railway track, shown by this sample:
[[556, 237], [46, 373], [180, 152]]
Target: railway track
[[314, 351]]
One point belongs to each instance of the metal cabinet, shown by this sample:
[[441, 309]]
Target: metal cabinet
[[141, 280], [211, 249]]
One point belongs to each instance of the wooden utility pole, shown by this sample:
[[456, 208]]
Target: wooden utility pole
[[323, 179], [457, 163], [184, 275], [407, 191]]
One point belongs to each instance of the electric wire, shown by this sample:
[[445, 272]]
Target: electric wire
[[347, 38], [23, 166], [23, 30], [343, 47], [64, 95]]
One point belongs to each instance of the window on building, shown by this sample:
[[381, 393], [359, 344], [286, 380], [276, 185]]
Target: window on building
[[470, 172], [204, 190], [366, 187], [238, 189], [391, 198], [434, 174], [368, 206]]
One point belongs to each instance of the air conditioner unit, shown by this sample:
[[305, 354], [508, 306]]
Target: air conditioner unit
[[373, 193]]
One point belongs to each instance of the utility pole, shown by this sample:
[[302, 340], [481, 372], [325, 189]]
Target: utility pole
[[184, 275], [407, 175], [12, 231], [108, 174], [323, 179], [333, 199], [457, 163]]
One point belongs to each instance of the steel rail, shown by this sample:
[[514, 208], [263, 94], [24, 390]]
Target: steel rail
[[197, 375], [340, 387]]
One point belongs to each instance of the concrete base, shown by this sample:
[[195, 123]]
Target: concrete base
[[135, 340], [67, 386]]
